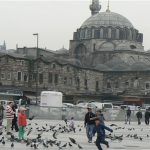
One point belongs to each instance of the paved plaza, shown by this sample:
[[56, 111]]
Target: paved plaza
[[128, 142]]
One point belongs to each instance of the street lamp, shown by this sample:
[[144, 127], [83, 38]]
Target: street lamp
[[37, 56]]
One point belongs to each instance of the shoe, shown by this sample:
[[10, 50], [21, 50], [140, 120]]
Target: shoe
[[107, 145], [90, 141]]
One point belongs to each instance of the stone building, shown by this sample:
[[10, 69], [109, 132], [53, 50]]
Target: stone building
[[105, 61]]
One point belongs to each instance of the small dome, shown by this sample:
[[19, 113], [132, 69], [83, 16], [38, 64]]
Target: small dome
[[107, 19]]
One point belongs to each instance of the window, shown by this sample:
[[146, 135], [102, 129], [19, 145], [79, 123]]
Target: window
[[85, 84], [97, 86], [56, 79], [25, 77], [50, 77], [70, 81], [9, 76], [116, 84], [101, 33], [68, 68], [94, 47], [41, 78], [2, 75], [147, 85], [78, 83], [19, 76], [108, 85], [53, 66], [65, 80]]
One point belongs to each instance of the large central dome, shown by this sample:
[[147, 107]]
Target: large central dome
[[107, 19]]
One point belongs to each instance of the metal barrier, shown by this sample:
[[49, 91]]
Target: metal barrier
[[53, 113]]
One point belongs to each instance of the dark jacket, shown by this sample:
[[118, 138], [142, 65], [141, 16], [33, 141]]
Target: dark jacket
[[147, 114], [101, 131], [128, 112], [139, 115], [87, 120]]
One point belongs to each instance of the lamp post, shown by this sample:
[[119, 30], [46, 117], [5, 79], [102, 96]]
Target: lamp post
[[37, 56]]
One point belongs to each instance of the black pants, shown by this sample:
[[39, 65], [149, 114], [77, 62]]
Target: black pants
[[100, 141], [139, 121], [14, 124], [147, 121]]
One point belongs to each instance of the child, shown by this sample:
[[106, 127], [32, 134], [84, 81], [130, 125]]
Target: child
[[100, 129], [22, 122], [72, 125]]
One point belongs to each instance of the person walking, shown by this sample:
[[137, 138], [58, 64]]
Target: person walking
[[100, 130], [22, 122], [139, 116], [147, 117], [9, 116], [89, 124], [128, 116], [14, 121]]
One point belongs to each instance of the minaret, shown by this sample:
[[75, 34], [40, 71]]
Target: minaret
[[108, 9], [95, 7], [4, 45]]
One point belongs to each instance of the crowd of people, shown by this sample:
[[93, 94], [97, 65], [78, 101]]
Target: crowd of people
[[139, 116], [15, 118]]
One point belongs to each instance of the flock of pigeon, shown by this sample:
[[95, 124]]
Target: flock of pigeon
[[37, 135]]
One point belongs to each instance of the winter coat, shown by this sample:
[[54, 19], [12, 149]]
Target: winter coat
[[101, 131], [22, 120], [147, 114], [128, 112], [87, 120], [139, 115]]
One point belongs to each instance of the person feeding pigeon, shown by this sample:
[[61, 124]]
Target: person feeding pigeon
[[22, 122], [100, 130], [89, 124]]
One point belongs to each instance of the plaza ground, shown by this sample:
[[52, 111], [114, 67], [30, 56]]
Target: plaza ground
[[128, 143]]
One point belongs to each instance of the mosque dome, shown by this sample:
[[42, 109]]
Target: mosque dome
[[107, 19]]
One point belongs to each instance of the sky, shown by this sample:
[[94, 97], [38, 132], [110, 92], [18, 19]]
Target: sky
[[56, 20]]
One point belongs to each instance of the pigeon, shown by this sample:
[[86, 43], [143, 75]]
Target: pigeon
[[12, 145], [72, 140], [31, 118], [113, 125], [79, 146]]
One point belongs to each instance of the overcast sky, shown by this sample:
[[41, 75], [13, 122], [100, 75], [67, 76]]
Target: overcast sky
[[56, 20]]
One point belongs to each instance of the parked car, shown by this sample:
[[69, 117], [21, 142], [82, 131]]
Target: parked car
[[103, 105]]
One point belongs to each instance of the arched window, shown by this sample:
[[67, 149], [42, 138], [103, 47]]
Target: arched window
[[96, 34], [101, 33], [109, 33], [117, 33]]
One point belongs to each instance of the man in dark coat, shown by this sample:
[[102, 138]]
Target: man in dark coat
[[89, 124], [128, 116], [139, 116], [147, 117], [100, 129]]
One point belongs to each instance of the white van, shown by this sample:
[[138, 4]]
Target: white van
[[51, 99], [103, 105]]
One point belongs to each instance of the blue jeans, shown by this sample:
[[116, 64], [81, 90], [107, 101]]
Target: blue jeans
[[89, 131]]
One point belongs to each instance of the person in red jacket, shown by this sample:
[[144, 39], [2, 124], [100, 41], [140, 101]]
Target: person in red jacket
[[22, 122]]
